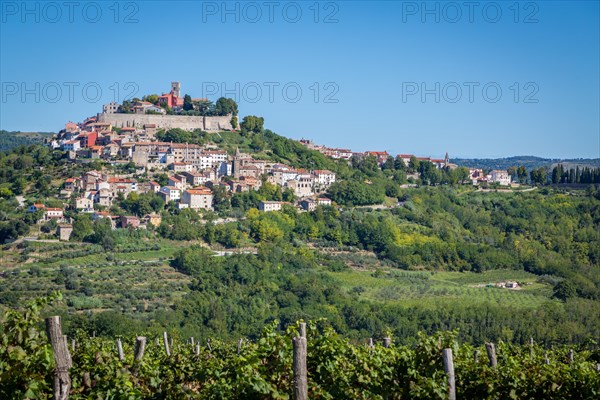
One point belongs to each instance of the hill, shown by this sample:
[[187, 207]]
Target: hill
[[529, 162], [10, 140]]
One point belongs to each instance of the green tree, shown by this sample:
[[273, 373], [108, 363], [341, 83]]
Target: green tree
[[399, 164], [187, 103], [564, 290], [82, 227], [226, 106], [538, 176], [413, 164], [252, 124], [522, 174], [151, 98]]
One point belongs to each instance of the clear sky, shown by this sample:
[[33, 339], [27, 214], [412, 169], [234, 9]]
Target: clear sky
[[476, 79]]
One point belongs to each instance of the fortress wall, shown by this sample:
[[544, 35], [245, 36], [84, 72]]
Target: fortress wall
[[167, 121]]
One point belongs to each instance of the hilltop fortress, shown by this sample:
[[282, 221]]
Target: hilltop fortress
[[167, 121], [143, 113]]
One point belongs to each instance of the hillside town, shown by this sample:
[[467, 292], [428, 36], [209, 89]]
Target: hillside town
[[192, 171]]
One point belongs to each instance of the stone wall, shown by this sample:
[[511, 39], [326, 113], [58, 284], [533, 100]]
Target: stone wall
[[167, 121]]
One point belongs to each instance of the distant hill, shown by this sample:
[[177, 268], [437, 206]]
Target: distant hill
[[530, 162], [10, 140]]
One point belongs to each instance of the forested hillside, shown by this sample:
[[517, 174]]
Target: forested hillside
[[10, 140], [430, 256]]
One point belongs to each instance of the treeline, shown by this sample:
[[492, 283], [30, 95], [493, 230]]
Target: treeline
[[575, 175]]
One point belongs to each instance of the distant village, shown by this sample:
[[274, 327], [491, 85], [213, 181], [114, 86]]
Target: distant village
[[193, 170]]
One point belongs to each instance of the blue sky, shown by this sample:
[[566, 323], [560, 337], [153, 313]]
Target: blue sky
[[494, 80]]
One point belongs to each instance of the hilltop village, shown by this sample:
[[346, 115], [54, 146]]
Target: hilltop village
[[129, 135]]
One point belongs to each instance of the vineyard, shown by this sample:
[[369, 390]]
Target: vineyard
[[181, 368]]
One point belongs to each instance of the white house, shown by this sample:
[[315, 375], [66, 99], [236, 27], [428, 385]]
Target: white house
[[500, 176], [270, 205], [170, 193], [53, 213], [177, 182], [71, 145], [200, 197], [323, 178], [85, 203]]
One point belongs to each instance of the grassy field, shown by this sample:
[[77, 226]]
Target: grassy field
[[426, 288]]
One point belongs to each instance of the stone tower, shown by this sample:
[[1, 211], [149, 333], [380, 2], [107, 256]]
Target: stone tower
[[176, 88], [237, 163]]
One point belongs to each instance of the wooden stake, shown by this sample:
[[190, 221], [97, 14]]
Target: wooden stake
[[371, 345], [140, 346], [166, 343], [197, 350], [302, 329], [67, 349], [120, 350], [387, 342], [87, 381], [547, 360], [62, 381], [531, 348], [192, 341], [208, 344], [449, 370], [491, 352], [73, 345], [239, 349], [475, 356], [300, 374], [571, 356]]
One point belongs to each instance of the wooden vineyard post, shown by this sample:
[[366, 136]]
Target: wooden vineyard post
[[239, 348], [547, 360], [197, 350], [531, 348], [140, 346], [120, 350], [303, 329], [475, 356], [371, 344], [166, 342], [87, 380], [571, 357], [62, 381], [300, 374], [491, 352], [387, 342], [449, 370], [192, 341]]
